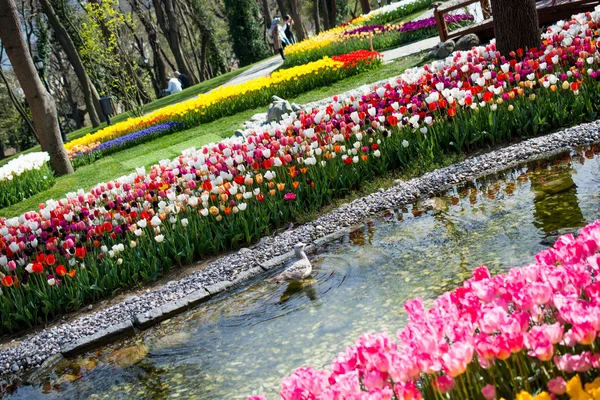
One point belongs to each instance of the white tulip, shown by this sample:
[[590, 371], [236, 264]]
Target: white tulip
[[155, 221]]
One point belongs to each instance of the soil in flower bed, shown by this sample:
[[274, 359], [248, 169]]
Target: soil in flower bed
[[246, 342]]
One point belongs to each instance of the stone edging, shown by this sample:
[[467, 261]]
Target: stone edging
[[141, 312]]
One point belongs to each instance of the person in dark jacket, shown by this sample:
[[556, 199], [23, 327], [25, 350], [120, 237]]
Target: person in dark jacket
[[184, 79], [287, 29]]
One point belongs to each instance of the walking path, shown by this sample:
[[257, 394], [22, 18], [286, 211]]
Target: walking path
[[269, 65], [262, 68], [413, 48]]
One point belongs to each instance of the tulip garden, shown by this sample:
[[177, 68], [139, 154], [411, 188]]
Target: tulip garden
[[364, 31], [120, 233], [221, 102], [24, 176]]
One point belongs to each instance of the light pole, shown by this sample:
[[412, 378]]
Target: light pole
[[39, 65]]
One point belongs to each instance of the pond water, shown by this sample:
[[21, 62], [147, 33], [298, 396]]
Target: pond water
[[244, 343]]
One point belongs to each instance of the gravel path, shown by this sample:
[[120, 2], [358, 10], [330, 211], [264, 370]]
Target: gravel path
[[33, 350]]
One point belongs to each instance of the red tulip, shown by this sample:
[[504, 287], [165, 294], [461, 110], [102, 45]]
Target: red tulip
[[61, 270], [8, 281], [37, 268], [80, 252]]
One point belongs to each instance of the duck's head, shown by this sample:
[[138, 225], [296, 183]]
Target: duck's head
[[298, 247]]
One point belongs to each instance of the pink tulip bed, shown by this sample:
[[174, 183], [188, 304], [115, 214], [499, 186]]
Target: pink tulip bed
[[508, 336], [121, 233]]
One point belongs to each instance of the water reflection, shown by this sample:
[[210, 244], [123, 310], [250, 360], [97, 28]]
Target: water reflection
[[304, 287], [246, 342], [556, 193]]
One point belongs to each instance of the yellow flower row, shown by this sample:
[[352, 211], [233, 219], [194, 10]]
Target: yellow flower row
[[323, 39], [201, 102], [331, 35], [334, 35], [574, 389]]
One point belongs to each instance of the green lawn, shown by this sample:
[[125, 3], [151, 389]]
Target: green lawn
[[188, 93], [410, 17], [168, 147]]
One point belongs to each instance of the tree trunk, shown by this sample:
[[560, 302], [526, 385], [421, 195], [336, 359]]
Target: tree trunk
[[210, 71], [42, 106], [282, 8], [96, 101], [203, 52], [68, 89], [160, 67], [297, 17], [62, 36], [333, 14], [267, 18], [316, 16], [204, 23], [326, 25], [17, 104], [354, 11], [167, 20], [516, 25], [167, 60], [366, 7], [181, 7]]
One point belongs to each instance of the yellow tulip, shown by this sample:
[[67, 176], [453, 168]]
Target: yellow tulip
[[199, 104]]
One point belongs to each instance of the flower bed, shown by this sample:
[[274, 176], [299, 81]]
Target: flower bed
[[343, 40], [332, 36], [23, 177], [384, 16], [228, 100], [427, 23], [504, 336], [86, 154], [232, 193]]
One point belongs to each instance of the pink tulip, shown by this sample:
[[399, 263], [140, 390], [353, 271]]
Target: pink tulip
[[444, 384], [557, 386], [489, 392]]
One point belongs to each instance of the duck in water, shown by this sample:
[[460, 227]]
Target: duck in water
[[299, 270]]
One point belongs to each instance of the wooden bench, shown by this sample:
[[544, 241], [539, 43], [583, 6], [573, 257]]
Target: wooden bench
[[440, 11], [548, 11]]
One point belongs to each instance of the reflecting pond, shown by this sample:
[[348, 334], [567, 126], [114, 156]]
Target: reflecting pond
[[246, 342]]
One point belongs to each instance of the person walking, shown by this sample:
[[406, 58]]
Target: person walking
[[184, 79], [287, 29], [274, 31]]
